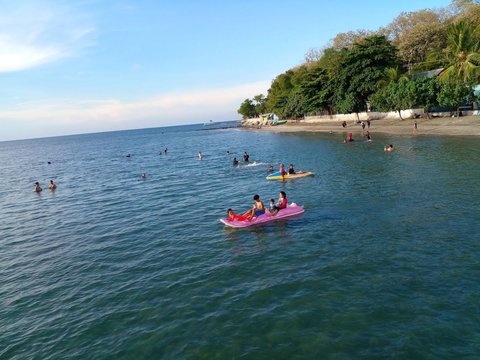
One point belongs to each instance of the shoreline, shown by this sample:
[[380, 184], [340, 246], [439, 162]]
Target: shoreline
[[461, 126]]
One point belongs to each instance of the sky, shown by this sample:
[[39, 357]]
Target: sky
[[82, 66]]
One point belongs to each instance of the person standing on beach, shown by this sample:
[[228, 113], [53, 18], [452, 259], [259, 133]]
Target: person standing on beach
[[363, 125], [415, 126], [368, 124]]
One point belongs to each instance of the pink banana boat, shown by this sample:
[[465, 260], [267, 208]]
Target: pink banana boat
[[290, 210]]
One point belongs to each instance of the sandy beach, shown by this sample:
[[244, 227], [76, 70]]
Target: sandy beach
[[462, 126]]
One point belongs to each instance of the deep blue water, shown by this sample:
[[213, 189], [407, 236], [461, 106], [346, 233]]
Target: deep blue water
[[384, 263]]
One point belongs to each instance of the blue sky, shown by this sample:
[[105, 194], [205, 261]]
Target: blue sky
[[86, 65]]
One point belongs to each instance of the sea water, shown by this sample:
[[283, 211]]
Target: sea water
[[384, 263]]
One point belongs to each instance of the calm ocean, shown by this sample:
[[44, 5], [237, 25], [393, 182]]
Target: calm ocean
[[384, 263]]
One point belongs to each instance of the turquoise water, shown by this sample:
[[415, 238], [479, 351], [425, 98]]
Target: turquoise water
[[384, 263]]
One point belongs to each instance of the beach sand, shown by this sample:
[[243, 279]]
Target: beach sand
[[461, 126]]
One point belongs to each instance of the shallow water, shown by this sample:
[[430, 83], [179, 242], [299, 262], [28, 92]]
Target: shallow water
[[383, 263]]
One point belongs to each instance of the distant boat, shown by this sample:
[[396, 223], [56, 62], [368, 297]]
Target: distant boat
[[210, 122]]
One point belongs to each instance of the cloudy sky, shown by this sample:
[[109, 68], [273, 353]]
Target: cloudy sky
[[95, 65]]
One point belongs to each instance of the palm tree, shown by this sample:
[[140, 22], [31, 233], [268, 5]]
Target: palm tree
[[392, 75], [462, 55]]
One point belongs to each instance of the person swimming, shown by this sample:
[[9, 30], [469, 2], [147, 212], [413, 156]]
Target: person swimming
[[388, 148], [235, 162], [200, 156], [52, 186], [37, 188], [270, 169], [143, 175]]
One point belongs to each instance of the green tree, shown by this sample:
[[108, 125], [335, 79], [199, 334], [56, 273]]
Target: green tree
[[279, 92], [462, 55], [359, 72], [247, 109], [314, 89], [259, 102], [453, 93], [425, 92], [397, 96]]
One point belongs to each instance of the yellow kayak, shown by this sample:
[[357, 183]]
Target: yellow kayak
[[297, 175]]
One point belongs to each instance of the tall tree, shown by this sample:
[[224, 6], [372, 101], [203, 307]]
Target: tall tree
[[360, 70], [349, 39], [247, 109], [259, 102], [279, 92], [314, 89], [416, 34], [462, 54]]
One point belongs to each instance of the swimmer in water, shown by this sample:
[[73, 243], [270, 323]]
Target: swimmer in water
[[200, 156], [143, 175], [37, 188], [388, 148], [235, 162], [52, 186], [270, 169]]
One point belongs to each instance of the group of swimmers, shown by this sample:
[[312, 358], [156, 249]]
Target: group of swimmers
[[246, 158], [259, 208], [52, 186]]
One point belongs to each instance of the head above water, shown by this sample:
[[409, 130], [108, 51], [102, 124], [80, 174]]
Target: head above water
[[37, 183], [256, 197]]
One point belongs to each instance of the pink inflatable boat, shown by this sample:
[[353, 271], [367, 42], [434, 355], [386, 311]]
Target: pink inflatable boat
[[290, 210]]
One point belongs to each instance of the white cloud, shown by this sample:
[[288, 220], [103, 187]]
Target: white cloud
[[72, 116], [37, 33]]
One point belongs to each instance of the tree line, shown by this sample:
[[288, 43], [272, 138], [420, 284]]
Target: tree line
[[385, 69]]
